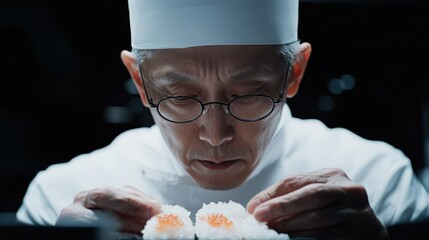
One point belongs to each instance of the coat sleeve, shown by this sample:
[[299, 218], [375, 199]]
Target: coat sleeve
[[401, 197], [36, 208]]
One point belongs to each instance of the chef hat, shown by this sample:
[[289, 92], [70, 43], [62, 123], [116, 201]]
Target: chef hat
[[160, 24]]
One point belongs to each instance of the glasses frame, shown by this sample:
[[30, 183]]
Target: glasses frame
[[153, 105]]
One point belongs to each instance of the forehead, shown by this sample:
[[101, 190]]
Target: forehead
[[229, 58]]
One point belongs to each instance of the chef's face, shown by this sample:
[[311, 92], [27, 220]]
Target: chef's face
[[217, 150]]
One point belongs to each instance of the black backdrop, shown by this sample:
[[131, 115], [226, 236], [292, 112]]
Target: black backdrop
[[64, 91]]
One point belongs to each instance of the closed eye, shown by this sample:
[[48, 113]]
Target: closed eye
[[182, 100], [246, 93]]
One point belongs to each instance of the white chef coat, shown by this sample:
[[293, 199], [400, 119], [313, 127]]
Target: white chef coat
[[140, 158]]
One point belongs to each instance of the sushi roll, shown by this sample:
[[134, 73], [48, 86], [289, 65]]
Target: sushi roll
[[219, 221], [173, 222]]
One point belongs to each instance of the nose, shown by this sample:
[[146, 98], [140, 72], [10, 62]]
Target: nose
[[215, 126]]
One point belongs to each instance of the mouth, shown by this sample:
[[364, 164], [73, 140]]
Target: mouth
[[217, 166]]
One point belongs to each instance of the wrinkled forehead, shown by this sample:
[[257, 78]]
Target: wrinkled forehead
[[229, 57]]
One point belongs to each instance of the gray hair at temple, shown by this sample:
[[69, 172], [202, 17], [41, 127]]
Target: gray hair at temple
[[287, 51]]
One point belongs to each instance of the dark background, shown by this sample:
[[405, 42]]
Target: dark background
[[64, 90]]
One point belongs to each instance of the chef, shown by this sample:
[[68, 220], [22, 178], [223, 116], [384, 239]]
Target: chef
[[216, 76]]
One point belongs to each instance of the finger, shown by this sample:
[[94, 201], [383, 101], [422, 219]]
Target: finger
[[331, 233], [307, 198], [122, 202], [135, 191], [287, 185], [290, 184], [77, 215], [344, 230], [340, 222], [317, 219], [81, 196], [132, 225]]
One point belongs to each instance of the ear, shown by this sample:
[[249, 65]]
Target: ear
[[129, 61], [298, 70]]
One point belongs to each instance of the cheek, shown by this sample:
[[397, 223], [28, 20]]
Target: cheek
[[262, 132], [179, 137]]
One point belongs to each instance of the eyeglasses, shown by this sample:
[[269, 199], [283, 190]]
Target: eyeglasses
[[246, 108]]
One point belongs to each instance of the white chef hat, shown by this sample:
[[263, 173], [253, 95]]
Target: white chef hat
[[161, 24]]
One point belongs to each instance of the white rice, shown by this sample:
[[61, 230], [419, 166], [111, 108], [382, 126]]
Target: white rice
[[242, 225], [219, 220], [179, 224], [231, 212], [252, 229]]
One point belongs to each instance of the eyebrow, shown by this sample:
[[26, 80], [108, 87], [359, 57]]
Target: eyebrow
[[256, 73], [171, 78]]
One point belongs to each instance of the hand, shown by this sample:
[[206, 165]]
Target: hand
[[126, 208], [320, 204]]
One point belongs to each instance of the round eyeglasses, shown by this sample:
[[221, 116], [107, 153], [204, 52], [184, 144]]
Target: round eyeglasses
[[183, 109], [246, 108]]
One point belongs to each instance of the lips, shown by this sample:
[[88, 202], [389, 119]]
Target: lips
[[217, 166]]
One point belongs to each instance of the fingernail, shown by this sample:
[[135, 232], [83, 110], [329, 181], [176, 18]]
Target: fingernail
[[262, 214], [89, 203], [253, 204]]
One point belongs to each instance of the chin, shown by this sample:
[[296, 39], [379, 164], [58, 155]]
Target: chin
[[220, 183]]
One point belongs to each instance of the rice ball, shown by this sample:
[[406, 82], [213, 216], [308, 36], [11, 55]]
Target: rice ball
[[252, 229], [219, 221], [173, 222], [231, 221]]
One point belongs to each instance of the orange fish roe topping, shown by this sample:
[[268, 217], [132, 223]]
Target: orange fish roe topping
[[219, 220], [168, 221]]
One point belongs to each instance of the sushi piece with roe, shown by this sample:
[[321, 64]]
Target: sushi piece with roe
[[173, 222], [219, 221]]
